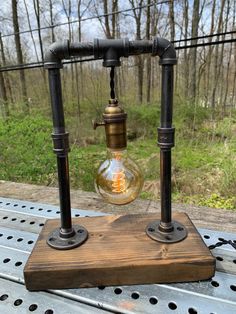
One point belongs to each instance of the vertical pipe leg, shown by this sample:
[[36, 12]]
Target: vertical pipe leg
[[67, 236], [166, 230], [64, 194], [165, 179]]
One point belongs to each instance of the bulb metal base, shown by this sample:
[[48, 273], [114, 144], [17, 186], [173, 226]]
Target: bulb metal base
[[155, 232], [60, 241]]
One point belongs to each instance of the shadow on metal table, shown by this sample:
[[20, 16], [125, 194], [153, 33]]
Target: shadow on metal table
[[20, 224]]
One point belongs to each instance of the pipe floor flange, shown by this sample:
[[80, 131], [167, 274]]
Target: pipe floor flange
[[57, 242], [178, 234]]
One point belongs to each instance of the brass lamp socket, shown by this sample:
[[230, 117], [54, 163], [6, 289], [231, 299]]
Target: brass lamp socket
[[114, 119]]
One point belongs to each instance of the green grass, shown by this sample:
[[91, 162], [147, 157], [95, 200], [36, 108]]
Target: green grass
[[204, 159]]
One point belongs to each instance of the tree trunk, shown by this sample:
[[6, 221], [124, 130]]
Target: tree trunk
[[232, 48], [106, 17], [216, 61], [31, 33], [114, 18], [19, 53], [211, 48], [68, 11], [33, 41], [51, 20], [193, 52], [221, 63], [172, 20], [37, 14], [186, 59], [172, 35], [234, 81], [139, 59], [7, 80], [3, 97], [113, 35], [148, 58]]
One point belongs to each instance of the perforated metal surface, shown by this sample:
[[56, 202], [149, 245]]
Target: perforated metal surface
[[214, 296], [40, 210], [14, 298]]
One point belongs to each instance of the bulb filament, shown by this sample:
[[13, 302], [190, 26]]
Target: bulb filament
[[118, 178], [118, 182]]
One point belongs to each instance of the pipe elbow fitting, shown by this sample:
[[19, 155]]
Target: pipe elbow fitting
[[55, 53], [165, 50]]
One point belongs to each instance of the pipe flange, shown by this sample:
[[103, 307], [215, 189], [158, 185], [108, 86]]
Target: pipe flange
[[178, 233], [80, 235]]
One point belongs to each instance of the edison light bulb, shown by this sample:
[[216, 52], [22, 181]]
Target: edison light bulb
[[119, 179]]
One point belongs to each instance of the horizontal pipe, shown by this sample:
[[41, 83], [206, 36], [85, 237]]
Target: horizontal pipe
[[110, 50]]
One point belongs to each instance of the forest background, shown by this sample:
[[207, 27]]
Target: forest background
[[204, 159]]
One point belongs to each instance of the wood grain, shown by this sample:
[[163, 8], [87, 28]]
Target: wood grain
[[118, 252]]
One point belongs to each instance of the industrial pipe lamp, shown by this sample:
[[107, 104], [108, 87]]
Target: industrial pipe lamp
[[126, 249], [119, 179]]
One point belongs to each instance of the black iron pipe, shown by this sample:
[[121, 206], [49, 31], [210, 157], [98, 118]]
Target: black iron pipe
[[54, 79], [111, 50], [61, 148], [166, 142], [165, 186], [64, 194], [167, 96]]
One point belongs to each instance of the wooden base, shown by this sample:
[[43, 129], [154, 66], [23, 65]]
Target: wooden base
[[118, 252]]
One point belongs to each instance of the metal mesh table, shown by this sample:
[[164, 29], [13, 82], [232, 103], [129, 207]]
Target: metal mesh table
[[20, 224]]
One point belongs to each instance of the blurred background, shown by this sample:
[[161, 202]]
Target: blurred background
[[204, 34]]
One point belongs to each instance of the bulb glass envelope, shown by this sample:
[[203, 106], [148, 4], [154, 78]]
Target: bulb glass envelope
[[119, 179]]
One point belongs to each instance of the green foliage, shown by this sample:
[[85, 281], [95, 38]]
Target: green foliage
[[84, 163], [203, 167], [190, 117], [217, 201], [143, 120], [26, 150], [213, 200]]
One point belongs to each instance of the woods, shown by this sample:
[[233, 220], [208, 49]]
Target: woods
[[204, 75], [203, 33]]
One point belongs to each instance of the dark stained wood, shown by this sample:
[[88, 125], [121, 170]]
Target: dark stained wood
[[118, 252]]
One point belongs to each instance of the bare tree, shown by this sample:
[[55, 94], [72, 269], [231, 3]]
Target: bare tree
[[19, 53], [172, 33], [114, 18], [216, 67], [37, 14], [137, 14], [221, 59], [209, 55], [6, 76], [67, 8], [193, 51], [3, 96], [51, 20], [37, 11], [79, 72], [148, 59], [234, 54], [186, 57], [31, 33], [232, 47], [106, 18], [172, 20]]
